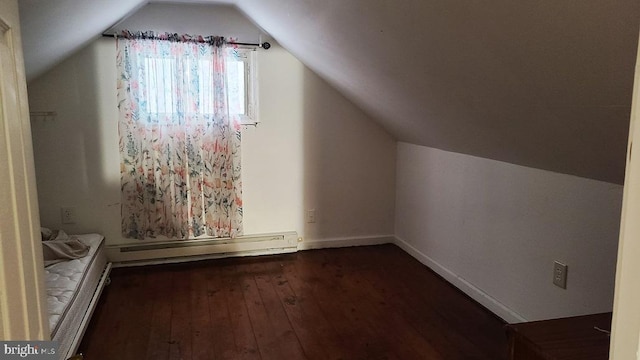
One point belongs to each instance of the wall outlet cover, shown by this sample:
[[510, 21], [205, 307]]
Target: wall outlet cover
[[560, 274], [68, 215]]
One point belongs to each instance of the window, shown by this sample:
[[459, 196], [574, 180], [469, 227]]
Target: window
[[242, 81], [240, 76]]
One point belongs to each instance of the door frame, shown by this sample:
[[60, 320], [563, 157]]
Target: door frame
[[626, 307], [23, 313]]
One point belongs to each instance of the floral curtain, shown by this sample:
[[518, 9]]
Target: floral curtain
[[180, 149]]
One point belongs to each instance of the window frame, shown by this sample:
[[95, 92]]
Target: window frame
[[248, 55]]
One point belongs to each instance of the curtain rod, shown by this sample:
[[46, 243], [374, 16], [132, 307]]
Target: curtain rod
[[265, 45]]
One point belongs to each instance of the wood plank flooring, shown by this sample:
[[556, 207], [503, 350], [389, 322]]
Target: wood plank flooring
[[373, 302]]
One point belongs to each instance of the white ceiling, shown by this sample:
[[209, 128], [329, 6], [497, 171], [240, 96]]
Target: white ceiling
[[545, 84], [54, 29]]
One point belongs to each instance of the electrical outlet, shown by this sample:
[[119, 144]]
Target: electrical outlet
[[68, 215], [560, 274], [311, 216]]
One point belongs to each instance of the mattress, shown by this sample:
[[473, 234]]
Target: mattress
[[70, 288]]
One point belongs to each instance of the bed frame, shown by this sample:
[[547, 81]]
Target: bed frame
[[87, 285]]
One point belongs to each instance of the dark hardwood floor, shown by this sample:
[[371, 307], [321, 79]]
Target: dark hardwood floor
[[374, 302]]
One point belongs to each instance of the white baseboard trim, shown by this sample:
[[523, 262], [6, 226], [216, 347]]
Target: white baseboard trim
[[185, 259], [161, 252], [346, 242], [475, 293]]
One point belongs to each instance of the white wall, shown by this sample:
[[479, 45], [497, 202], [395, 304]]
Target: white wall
[[312, 149], [494, 230]]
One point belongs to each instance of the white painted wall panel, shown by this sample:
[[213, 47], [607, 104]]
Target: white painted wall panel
[[495, 229]]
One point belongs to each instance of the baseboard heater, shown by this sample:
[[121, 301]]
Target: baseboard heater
[[196, 249]]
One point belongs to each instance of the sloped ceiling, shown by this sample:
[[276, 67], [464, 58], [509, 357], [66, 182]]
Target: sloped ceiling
[[54, 29], [545, 84]]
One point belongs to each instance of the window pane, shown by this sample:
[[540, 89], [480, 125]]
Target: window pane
[[236, 87], [206, 86], [158, 85], [158, 75]]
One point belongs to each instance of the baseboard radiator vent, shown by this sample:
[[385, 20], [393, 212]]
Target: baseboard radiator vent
[[197, 249]]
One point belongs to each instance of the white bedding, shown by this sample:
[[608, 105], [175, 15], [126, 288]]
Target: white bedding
[[70, 287]]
